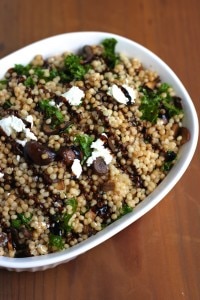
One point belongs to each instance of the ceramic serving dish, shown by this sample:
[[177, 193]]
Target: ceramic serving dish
[[73, 42]]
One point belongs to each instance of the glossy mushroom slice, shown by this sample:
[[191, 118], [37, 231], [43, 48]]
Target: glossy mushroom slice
[[100, 167], [38, 153]]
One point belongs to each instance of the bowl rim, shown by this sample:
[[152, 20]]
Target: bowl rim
[[49, 260]]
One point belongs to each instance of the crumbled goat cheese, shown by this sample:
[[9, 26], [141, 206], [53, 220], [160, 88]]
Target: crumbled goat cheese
[[21, 142], [12, 124], [29, 119], [1, 175], [76, 167], [52, 103], [117, 93], [74, 95], [99, 151]]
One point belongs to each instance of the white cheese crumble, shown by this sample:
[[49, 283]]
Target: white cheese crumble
[[1, 175], [29, 119], [115, 92], [76, 167], [52, 103], [99, 151], [12, 124], [74, 95]]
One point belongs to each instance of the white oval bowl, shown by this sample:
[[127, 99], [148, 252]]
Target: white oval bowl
[[73, 42]]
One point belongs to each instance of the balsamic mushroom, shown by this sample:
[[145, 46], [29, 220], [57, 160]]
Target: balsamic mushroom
[[87, 54], [49, 130], [100, 167], [68, 154], [38, 153]]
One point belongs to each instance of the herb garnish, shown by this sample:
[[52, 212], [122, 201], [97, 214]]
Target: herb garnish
[[38, 72], [73, 68], [21, 69], [29, 82], [109, 52], [7, 104], [56, 241], [51, 111], [170, 157], [152, 102], [125, 209], [21, 220], [66, 217], [84, 141], [3, 84]]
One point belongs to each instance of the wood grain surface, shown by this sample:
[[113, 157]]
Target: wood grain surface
[[157, 257]]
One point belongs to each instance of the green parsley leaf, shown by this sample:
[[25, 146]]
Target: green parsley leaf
[[109, 52], [73, 68], [125, 209], [51, 111], [66, 217], [21, 220], [24, 219], [16, 223], [84, 141], [56, 241], [29, 82], [7, 104], [3, 84], [170, 157], [22, 70], [149, 106], [152, 102]]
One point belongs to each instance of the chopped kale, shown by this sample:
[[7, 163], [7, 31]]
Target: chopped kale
[[51, 111], [152, 103], [62, 220], [56, 241], [74, 70], [109, 52], [84, 141], [16, 223], [7, 104], [170, 157], [22, 70], [21, 220], [29, 82], [66, 217], [125, 209], [3, 84]]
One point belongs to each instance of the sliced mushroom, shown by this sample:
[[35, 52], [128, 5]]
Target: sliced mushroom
[[184, 132], [38, 153], [67, 155], [49, 130], [87, 54], [108, 186], [175, 128], [100, 167], [177, 102], [181, 131]]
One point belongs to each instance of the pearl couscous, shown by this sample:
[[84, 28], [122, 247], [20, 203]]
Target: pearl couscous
[[83, 139]]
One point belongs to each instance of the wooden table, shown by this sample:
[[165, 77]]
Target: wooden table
[[157, 257]]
